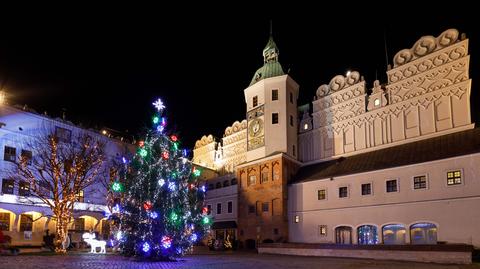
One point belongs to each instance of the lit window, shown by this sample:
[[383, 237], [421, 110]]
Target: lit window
[[305, 126], [297, 219], [454, 177], [252, 180], [23, 188], [419, 182], [26, 222], [322, 194], [4, 221], [79, 196], [322, 230], [376, 102]]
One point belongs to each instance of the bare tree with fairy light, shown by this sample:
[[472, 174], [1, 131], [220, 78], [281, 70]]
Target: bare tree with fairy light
[[161, 212], [60, 169]]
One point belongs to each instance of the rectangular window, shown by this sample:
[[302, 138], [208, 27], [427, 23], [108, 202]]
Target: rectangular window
[[230, 207], [26, 223], [63, 135], [322, 194], [265, 207], [454, 177], [79, 224], [291, 97], [322, 230], [294, 150], [27, 155], [419, 182], [252, 180], [291, 120], [80, 197], [392, 185], [24, 188], [275, 231], [274, 118], [251, 209], [4, 221], [264, 177], [343, 192], [274, 95], [366, 189], [7, 186], [219, 208], [255, 101], [209, 209], [10, 154], [297, 219]]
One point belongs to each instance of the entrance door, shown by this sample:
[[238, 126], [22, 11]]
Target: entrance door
[[343, 235]]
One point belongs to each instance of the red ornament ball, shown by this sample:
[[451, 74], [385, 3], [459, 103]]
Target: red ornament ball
[[147, 205], [165, 155], [174, 138]]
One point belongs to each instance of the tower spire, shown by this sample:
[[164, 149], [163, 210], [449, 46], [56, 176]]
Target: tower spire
[[271, 28]]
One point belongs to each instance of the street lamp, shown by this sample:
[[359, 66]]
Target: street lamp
[[2, 97]]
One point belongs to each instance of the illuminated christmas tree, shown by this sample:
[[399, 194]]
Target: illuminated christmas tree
[[161, 213]]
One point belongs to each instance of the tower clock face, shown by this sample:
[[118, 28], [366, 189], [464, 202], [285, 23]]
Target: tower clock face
[[256, 134], [256, 127]]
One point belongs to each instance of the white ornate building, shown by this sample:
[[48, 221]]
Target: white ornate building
[[393, 164], [25, 218]]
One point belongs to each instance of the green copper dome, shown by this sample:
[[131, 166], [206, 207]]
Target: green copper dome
[[271, 66]]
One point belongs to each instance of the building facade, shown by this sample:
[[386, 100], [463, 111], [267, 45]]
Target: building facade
[[390, 164], [25, 218]]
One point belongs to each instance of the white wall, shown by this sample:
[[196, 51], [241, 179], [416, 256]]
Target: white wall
[[454, 209]]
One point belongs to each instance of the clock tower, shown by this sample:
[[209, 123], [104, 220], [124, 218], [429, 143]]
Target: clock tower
[[271, 153], [271, 101]]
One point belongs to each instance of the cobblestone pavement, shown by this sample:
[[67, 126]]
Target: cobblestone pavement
[[227, 261]]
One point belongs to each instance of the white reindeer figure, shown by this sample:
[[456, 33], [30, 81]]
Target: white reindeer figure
[[94, 243]]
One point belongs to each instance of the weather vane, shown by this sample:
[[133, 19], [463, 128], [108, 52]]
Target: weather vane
[[158, 104]]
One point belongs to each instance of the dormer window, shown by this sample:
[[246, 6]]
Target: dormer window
[[376, 102]]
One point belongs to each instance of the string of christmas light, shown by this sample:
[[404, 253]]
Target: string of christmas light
[[161, 212]]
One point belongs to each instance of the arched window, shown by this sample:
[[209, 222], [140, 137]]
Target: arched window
[[234, 181], [394, 234], [226, 183], [343, 235], [423, 233], [367, 235], [218, 185]]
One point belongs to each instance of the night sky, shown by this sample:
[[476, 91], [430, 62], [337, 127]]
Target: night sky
[[105, 67]]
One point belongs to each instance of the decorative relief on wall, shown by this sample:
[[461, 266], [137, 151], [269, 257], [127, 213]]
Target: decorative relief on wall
[[426, 45], [205, 140], [435, 79]]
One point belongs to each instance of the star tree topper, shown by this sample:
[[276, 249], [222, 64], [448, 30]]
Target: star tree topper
[[158, 104]]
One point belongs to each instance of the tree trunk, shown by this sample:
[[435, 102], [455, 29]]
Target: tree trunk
[[62, 234]]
